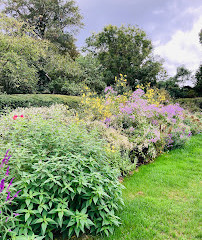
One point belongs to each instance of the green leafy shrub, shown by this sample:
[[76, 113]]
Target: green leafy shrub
[[64, 173], [192, 104], [37, 100], [7, 195]]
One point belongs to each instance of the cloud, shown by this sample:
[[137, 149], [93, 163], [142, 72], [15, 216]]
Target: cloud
[[182, 49]]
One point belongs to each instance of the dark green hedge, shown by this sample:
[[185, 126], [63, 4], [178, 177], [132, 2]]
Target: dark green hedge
[[193, 104], [37, 100]]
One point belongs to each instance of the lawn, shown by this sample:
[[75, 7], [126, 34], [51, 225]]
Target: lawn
[[163, 199]]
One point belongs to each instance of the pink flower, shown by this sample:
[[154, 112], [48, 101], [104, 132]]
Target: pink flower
[[15, 117], [22, 115]]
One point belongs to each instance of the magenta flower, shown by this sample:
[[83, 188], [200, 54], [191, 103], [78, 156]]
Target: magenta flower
[[7, 171], [10, 184]]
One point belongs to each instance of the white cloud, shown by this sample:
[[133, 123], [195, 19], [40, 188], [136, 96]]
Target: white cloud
[[182, 49]]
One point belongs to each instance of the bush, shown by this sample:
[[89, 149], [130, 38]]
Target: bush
[[37, 100], [7, 194], [150, 122], [63, 171], [192, 104]]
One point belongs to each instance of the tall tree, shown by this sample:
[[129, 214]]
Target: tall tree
[[125, 50], [198, 85], [183, 75], [55, 20], [200, 37]]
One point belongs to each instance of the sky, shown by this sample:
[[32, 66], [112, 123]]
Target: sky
[[172, 25]]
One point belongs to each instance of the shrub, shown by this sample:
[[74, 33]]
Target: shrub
[[192, 104], [64, 172], [7, 195], [37, 100], [146, 117]]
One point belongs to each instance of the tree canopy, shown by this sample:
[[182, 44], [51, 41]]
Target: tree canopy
[[125, 50], [55, 20]]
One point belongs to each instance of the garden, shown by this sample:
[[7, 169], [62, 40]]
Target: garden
[[63, 168], [98, 143]]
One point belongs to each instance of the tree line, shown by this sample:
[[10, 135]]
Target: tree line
[[38, 53]]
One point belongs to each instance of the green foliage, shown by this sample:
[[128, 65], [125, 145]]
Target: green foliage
[[198, 85], [52, 20], [162, 192], [66, 181], [92, 72], [176, 85], [37, 100], [125, 50], [30, 65], [19, 56], [192, 104]]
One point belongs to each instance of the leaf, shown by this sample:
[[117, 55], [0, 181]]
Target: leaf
[[77, 231], [27, 215], [40, 209], [40, 220], [50, 234], [27, 201], [43, 228], [51, 221], [95, 199]]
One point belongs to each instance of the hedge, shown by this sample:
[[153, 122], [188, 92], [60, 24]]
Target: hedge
[[37, 100], [192, 104]]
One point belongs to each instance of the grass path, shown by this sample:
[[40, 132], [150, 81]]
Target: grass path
[[163, 199]]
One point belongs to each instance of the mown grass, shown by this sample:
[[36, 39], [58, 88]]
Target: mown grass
[[163, 199]]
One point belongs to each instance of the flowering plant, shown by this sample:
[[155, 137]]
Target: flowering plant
[[7, 217], [145, 116]]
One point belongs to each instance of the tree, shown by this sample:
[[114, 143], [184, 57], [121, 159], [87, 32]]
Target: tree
[[125, 50], [200, 37], [92, 73], [198, 85], [55, 20], [182, 76], [30, 65]]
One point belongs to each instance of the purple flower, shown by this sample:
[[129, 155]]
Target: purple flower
[[16, 214], [16, 194], [10, 184], [107, 120], [7, 171], [189, 135], [8, 196], [2, 185], [109, 90]]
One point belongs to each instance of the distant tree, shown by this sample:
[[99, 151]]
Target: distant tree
[[198, 75], [182, 76], [92, 73], [125, 50], [30, 65], [198, 85], [200, 36], [55, 20]]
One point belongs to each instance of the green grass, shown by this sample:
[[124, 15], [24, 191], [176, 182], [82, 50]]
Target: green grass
[[162, 199]]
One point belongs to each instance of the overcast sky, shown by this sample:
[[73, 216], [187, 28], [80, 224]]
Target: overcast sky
[[172, 25]]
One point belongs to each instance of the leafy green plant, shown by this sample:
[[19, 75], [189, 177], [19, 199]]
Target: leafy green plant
[[72, 194], [68, 184], [7, 195]]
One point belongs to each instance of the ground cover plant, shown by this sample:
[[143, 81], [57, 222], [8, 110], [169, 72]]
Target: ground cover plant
[[162, 199]]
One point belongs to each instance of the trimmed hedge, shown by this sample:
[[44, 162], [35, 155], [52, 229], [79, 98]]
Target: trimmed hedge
[[37, 100], [192, 104]]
